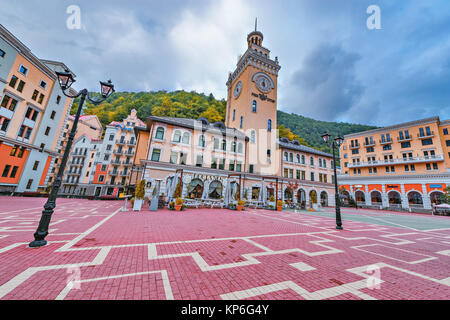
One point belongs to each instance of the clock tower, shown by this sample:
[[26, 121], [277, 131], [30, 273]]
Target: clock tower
[[252, 99]]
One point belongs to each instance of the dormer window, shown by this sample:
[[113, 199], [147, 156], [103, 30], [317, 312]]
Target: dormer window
[[43, 84]]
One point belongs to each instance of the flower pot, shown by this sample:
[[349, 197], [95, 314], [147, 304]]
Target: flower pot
[[178, 207], [239, 208], [279, 208]]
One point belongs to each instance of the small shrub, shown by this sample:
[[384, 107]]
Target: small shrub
[[241, 202], [179, 201], [272, 198], [280, 203]]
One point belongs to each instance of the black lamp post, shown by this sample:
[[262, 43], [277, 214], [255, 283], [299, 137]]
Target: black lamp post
[[66, 80], [336, 143]]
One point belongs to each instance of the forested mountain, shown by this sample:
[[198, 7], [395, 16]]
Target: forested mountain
[[193, 105]]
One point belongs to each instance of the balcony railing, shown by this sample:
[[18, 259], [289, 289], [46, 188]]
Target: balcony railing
[[425, 135], [119, 152], [125, 163], [124, 173], [121, 142], [397, 161], [113, 173], [115, 162], [404, 139], [369, 144], [386, 141], [129, 153], [355, 146]]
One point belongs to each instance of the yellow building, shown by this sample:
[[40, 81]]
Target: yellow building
[[401, 166]]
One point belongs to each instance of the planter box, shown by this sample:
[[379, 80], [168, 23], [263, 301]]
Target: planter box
[[137, 206]]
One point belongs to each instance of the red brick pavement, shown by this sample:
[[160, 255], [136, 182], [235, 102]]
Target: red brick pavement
[[212, 254]]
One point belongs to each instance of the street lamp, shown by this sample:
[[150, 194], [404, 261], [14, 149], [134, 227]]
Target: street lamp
[[336, 143], [65, 80]]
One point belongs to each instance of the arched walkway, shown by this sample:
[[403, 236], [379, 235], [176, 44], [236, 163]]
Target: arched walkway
[[395, 200], [375, 197], [215, 190], [288, 195], [313, 196], [415, 199], [324, 199], [344, 198], [301, 197], [436, 197], [195, 189], [360, 197]]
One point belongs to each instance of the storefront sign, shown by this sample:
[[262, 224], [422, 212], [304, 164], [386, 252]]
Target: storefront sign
[[436, 186], [392, 186]]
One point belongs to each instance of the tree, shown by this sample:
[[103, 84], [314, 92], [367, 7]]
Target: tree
[[140, 190], [212, 115]]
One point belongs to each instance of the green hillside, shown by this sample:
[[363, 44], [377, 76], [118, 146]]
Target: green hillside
[[193, 105]]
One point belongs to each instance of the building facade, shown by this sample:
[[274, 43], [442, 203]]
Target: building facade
[[244, 152], [404, 166], [32, 109]]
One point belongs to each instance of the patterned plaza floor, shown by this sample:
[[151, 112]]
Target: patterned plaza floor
[[95, 251]]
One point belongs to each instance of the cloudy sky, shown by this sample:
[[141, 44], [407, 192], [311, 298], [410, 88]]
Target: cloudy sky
[[333, 66]]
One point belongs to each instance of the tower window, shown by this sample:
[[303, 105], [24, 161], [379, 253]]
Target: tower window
[[234, 114], [254, 106], [269, 125], [241, 123]]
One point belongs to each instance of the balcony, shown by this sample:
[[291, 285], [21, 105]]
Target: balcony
[[397, 161], [369, 144], [113, 173], [127, 163], [387, 141], [118, 162], [124, 142], [426, 135], [354, 146], [118, 152], [129, 153], [404, 139], [124, 173], [131, 143]]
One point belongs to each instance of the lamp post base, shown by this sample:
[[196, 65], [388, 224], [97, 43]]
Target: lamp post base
[[339, 228], [37, 243]]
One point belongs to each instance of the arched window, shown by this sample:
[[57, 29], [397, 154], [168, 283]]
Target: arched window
[[320, 163], [216, 143], [159, 133], [233, 146], [240, 147], [253, 136], [224, 145], [241, 122], [186, 138], [303, 159], [201, 141], [215, 190], [269, 125], [177, 136], [234, 114], [311, 161], [298, 158], [286, 156], [291, 157], [254, 106]]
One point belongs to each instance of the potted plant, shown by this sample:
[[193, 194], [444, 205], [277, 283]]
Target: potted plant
[[139, 196], [280, 205], [240, 205], [172, 205], [179, 204], [271, 202]]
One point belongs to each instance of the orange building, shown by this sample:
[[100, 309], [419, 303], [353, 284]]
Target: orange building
[[403, 166]]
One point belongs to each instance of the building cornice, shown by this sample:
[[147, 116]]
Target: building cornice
[[444, 177]]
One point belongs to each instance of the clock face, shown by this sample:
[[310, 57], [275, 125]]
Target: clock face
[[263, 82], [237, 90]]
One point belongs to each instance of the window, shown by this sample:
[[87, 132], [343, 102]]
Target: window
[[241, 122], [4, 124], [13, 172], [159, 133], [176, 136], [445, 131], [240, 148], [234, 114], [253, 136], [173, 157], [36, 165], [406, 144], [13, 81], [269, 125], [43, 84], [428, 166], [41, 98], [201, 141], [58, 99], [355, 151], [387, 147], [216, 143], [233, 146], [214, 163], [23, 70], [2, 53], [199, 160], [222, 164], [186, 138], [111, 137], [254, 106], [30, 182], [311, 161], [21, 151], [435, 166], [106, 157], [251, 168], [53, 115], [101, 178], [20, 86], [156, 154], [47, 131], [6, 170], [231, 166], [427, 142], [447, 143], [224, 145], [312, 176]]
